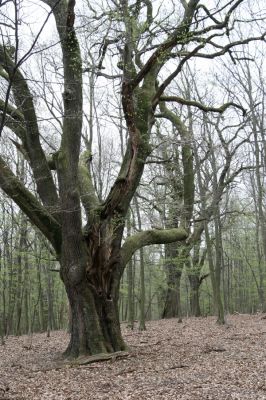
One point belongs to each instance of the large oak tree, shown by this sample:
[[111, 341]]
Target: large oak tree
[[93, 255]]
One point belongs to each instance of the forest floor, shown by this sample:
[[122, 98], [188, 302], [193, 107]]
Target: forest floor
[[194, 360]]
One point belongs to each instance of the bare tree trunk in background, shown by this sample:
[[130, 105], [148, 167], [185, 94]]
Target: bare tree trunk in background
[[20, 288], [195, 278], [173, 265], [142, 326], [130, 278]]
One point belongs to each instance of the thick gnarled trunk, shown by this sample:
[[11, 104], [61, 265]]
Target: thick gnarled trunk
[[92, 277], [95, 326], [93, 290]]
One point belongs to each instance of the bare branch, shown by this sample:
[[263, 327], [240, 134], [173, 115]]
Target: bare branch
[[202, 107]]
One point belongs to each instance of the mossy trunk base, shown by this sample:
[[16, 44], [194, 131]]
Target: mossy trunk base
[[95, 328]]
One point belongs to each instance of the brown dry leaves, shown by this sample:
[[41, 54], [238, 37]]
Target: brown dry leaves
[[190, 361]]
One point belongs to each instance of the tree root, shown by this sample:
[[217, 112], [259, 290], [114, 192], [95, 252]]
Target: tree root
[[84, 360]]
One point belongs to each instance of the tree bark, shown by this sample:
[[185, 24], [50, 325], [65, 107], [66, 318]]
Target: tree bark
[[172, 307], [93, 302], [173, 268]]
